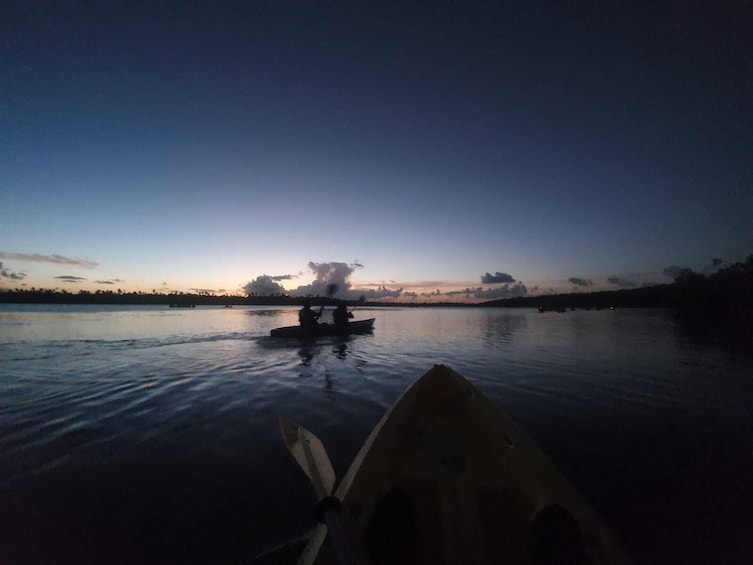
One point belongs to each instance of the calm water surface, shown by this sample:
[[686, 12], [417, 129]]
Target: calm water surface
[[148, 434]]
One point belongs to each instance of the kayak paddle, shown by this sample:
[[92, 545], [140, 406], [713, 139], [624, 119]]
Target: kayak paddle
[[309, 453]]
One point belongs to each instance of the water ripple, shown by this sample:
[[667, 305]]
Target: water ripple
[[151, 404]]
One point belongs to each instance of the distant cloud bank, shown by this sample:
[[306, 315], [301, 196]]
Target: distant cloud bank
[[335, 274], [70, 278], [577, 281], [55, 259]]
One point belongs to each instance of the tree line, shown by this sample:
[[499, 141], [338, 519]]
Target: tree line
[[726, 294]]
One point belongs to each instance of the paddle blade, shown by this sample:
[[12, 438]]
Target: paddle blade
[[310, 454]]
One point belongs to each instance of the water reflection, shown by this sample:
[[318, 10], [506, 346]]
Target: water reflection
[[275, 312], [307, 355], [310, 352], [627, 403], [498, 329], [340, 350]]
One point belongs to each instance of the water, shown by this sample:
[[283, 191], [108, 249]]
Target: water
[[148, 434]]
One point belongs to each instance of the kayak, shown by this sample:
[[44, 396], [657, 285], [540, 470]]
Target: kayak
[[446, 477], [357, 327]]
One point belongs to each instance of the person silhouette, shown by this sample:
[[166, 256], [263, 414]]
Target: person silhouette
[[340, 315], [307, 317]]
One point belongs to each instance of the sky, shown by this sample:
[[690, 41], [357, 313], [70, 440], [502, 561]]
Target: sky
[[406, 151]]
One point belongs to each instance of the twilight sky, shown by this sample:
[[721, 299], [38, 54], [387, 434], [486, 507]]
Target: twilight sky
[[457, 149]]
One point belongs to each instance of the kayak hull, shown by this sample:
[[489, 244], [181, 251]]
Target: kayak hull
[[357, 327], [445, 477]]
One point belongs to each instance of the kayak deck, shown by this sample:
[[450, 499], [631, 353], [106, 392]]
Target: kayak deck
[[445, 477]]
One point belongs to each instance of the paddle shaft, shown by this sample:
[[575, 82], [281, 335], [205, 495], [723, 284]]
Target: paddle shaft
[[337, 535], [331, 508], [308, 451]]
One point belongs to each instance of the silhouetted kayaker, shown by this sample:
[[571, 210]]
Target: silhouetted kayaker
[[340, 315], [307, 317]]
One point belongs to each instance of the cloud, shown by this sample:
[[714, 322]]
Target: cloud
[[70, 279], [56, 259], [379, 293], [673, 271], [264, 285], [505, 291], [432, 293], [577, 281], [619, 281], [332, 273], [12, 275], [326, 274], [497, 277], [113, 281]]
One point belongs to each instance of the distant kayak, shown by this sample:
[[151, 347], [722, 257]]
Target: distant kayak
[[357, 327], [446, 477]]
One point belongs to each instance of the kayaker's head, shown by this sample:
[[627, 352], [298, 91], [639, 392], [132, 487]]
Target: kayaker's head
[[307, 303]]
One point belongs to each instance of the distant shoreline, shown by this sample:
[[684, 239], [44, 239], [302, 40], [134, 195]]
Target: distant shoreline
[[723, 298], [648, 297]]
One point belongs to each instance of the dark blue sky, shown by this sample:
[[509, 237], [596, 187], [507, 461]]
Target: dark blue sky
[[202, 145]]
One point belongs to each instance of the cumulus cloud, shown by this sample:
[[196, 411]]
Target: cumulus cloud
[[12, 275], [488, 278], [577, 281], [505, 291], [70, 278], [264, 285], [55, 259], [619, 281], [332, 273]]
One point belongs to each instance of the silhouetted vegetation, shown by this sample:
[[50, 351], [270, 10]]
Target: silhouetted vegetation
[[173, 299], [179, 299], [725, 296], [659, 296]]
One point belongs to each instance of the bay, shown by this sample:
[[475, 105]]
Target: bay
[[149, 434]]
